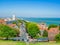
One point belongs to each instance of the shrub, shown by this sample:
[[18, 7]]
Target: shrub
[[45, 34], [59, 26], [57, 37], [52, 26], [6, 31], [32, 29]]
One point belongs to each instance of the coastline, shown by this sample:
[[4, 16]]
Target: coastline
[[48, 21]]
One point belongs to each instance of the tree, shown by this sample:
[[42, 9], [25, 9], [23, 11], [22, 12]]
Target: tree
[[32, 29], [18, 22], [59, 26], [52, 26], [6, 31], [14, 22], [45, 33], [57, 37]]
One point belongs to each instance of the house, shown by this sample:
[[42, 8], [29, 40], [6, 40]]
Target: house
[[52, 32], [13, 25], [10, 22], [42, 27], [10, 19], [2, 21]]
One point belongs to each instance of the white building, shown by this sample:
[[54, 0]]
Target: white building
[[14, 17], [10, 19]]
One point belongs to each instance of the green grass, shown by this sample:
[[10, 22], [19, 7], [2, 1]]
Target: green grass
[[44, 43], [23, 43]]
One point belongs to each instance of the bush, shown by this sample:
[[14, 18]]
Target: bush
[[57, 37], [32, 29], [59, 26], [6, 31], [52, 26], [45, 34]]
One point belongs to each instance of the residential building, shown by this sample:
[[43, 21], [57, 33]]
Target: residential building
[[42, 27], [52, 32], [13, 25], [2, 21]]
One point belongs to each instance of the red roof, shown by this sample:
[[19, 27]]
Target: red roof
[[54, 30], [43, 27], [2, 21], [12, 25]]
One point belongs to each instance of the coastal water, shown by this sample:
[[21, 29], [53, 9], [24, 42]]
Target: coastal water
[[44, 20]]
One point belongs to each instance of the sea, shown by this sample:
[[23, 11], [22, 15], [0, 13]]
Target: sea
[[48, 21]]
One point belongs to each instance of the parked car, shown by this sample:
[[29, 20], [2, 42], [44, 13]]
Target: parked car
[[42, 39], [15, 39], [18, 39]]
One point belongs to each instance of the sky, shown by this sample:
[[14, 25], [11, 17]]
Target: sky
[[30, 8]]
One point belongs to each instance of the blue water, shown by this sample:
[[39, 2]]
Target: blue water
[[45, 20]]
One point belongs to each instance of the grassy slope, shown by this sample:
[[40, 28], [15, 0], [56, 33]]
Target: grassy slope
[[22, 43], [45, 43]]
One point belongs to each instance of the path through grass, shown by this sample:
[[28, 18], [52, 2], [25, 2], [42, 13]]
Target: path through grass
[[23, 43]]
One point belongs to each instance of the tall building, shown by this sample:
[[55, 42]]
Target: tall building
[[14, 17]]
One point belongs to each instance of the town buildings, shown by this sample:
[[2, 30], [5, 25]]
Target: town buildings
[[52, 32], [9, 21], [2, 21]]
